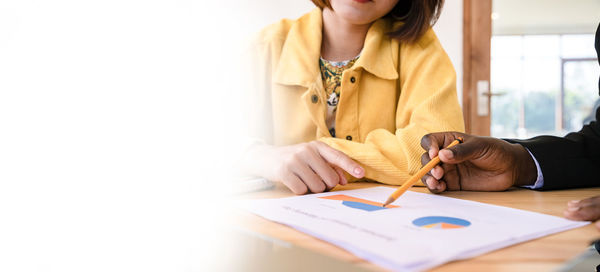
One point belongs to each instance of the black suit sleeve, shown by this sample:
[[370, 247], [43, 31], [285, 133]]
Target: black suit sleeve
[[568, 162]]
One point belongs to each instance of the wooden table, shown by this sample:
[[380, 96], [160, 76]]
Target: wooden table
[[544, 254]]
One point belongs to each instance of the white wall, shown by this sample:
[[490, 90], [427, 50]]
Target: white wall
[[449, 29], [514, 17]]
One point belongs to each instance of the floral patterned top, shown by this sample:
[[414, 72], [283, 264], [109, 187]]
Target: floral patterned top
[[331, 73]]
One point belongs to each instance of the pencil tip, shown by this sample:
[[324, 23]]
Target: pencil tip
[[387, 202]]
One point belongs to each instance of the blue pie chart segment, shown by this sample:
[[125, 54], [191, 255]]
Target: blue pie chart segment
[[441, 222]]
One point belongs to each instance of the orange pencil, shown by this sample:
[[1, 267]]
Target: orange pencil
[[417, 176]]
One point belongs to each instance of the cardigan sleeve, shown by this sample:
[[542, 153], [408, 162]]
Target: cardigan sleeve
[[427, 103]]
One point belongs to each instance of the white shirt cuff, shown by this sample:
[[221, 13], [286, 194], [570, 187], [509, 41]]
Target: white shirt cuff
[[539, 182]]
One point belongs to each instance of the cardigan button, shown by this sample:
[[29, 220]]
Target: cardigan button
[[352, 79], [349, 138], [314, 98]]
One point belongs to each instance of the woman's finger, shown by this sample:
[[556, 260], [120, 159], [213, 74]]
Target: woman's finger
[[340, 159], [295, 184], [323, 169], [342, 176], [310, 178]]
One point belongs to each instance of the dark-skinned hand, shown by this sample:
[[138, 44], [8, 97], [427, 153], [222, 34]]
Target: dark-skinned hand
[[489, 164], [477, 164]]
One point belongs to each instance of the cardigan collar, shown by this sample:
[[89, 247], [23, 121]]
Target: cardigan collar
[[299, 60]]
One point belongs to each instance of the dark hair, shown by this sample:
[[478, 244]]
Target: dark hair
[[417, 15]]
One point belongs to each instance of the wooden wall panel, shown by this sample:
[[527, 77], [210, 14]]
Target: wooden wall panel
[[477, 35]]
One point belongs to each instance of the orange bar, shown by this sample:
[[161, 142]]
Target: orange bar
[[355, 199]]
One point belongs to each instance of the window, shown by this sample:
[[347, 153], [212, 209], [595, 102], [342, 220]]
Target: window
[[542, 84]]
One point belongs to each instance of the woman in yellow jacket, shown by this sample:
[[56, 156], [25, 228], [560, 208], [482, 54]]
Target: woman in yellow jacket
[[351, 86]]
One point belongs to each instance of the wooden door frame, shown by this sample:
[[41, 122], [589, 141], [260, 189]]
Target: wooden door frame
[[477, 35]]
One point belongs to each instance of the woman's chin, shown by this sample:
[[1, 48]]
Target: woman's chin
[[357, 17]]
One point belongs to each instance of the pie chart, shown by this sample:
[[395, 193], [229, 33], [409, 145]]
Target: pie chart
[[440, 222]]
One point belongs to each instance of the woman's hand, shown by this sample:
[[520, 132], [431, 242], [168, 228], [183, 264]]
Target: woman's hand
[[307, 167], [584, 210]]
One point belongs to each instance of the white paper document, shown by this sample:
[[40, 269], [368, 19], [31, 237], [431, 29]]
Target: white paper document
[[417, 232]]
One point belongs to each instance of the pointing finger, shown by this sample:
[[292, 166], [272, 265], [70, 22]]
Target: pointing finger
[[341, 160]]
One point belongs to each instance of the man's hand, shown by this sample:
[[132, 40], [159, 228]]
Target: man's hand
[[306, 167], [584, 210], [477, 164], [489, 164]]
